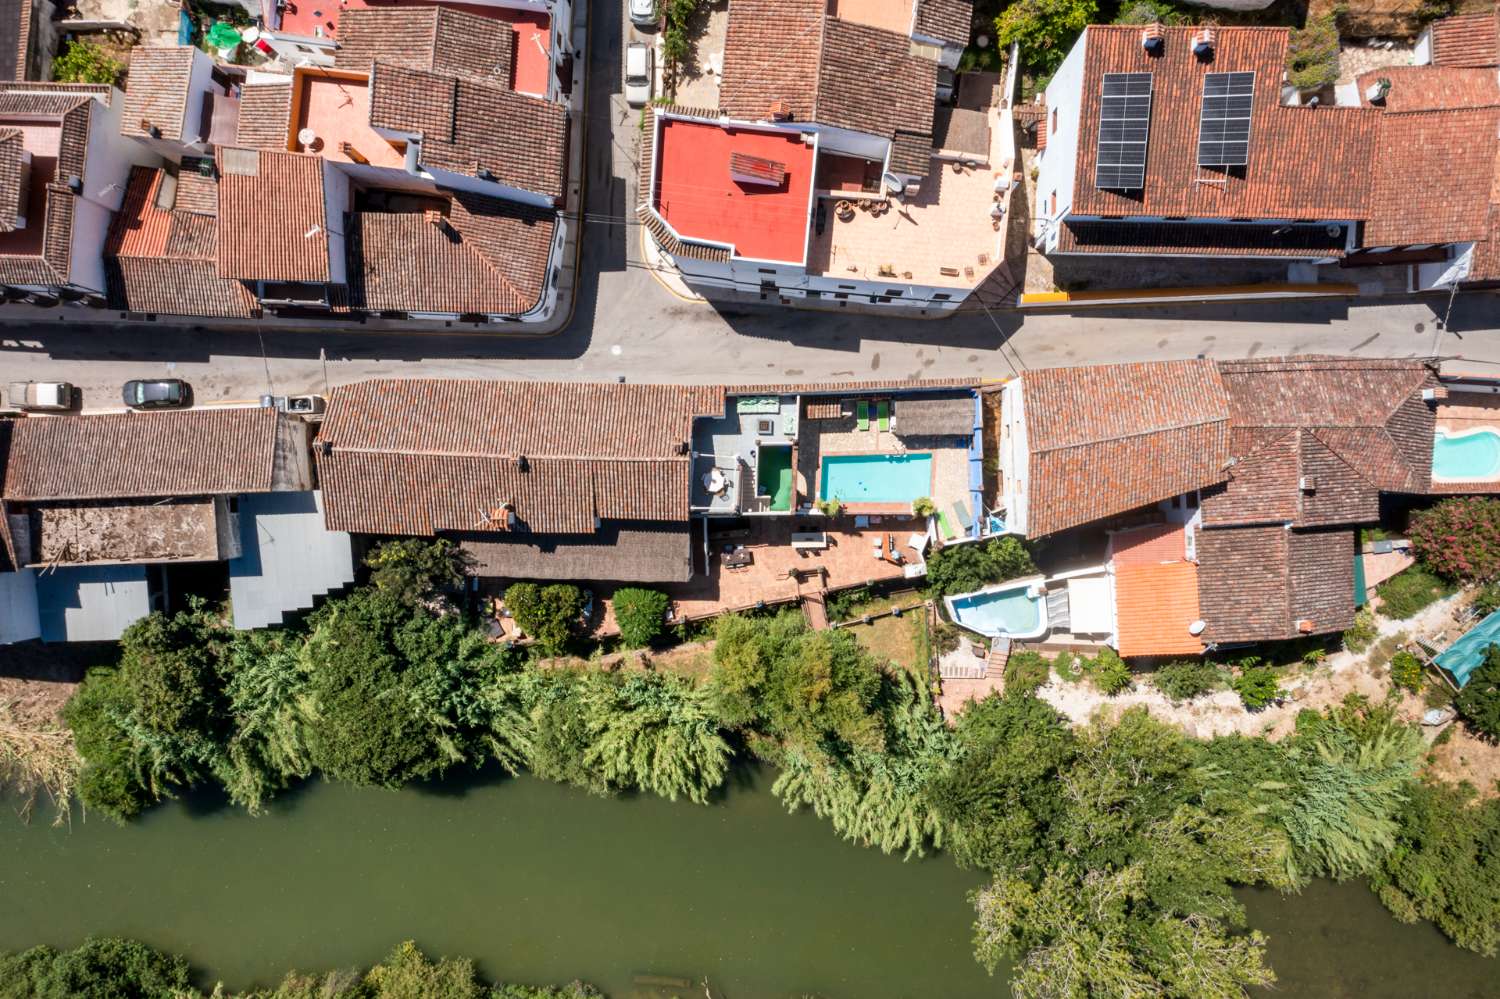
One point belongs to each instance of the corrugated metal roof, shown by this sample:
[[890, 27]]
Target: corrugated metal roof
[[288, 558]]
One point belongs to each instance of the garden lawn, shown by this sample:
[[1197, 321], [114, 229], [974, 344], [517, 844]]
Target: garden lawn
[[1408, 592]]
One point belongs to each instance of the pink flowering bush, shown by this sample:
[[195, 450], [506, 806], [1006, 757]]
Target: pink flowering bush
[[1459, 538]]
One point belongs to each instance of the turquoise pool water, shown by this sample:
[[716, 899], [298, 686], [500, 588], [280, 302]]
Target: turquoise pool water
[[875, 478], [1469, 457], [999, 612]]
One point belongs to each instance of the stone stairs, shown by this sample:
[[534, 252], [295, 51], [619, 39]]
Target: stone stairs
[[999, 656]]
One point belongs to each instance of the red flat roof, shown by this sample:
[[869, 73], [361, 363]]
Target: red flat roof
[[699, 199]]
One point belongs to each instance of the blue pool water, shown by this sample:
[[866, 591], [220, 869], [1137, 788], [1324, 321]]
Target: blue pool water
[[876, 478], [999, 612], [1469, 457]]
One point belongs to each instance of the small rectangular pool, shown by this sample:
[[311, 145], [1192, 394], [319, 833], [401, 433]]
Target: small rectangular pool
[[1471, 456], [875, 478]]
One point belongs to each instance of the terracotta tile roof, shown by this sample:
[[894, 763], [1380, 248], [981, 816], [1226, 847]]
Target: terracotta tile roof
[[467, 126], [1433, 88], [648, 553], [440, 39], [265, 115], [1466, 40], [1260, 583], [948, 21], [772, 49], [1150, 545], [1105, 440], [1317, 439], [191, 452], [1154, 607], [819, 68], [12, 153], [197, 189], [487, 255], [417, 456], [15, 37], [160, 77], [72, 106], [1434, 178], [1276, 183], [1200, 239], [163, 261], [868, 81], [273, 220], [911, 154]]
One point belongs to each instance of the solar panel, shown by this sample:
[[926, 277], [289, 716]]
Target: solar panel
[[1124, 123], [1224, 128]]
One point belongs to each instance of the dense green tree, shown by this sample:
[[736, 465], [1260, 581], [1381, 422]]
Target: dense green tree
[[116, 778], [549, 614], [1001, 794], [1479, 700], [1459, 538], [1045, 29], [415, 569], [1026, 672], [972, 566], [652, 732], [271, 707], [641, 615], [1446, 865], [99, 968], [1257, 686], [1187, 679]]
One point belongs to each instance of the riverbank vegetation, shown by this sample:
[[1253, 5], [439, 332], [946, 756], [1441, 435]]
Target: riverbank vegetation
[[1127, 819], [109, 968]]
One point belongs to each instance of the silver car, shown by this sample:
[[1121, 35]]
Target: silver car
[[638, 60], [54, 396], [643, 13]]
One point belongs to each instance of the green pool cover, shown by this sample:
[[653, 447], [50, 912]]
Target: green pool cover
[[774, 476], [1464, 656]]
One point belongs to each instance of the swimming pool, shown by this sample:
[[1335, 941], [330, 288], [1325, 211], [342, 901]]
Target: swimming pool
[[1008, 610], [875, 478], [1472, 456]]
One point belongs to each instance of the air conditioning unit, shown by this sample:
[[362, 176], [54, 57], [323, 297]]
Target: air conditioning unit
[[765, 427]]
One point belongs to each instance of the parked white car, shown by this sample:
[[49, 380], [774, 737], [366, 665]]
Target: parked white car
[[643, 13], [55, 396], [638, 60]]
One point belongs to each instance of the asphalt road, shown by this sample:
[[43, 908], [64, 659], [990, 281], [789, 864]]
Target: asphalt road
[[626, 325]]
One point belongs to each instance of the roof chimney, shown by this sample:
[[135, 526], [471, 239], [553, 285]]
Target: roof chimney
[[1153, 38], [780, 111], [352, 154], [150, 129], [1203, 43]]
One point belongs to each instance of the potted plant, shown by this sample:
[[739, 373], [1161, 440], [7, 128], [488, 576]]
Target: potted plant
[[830, 507], [923, 506]]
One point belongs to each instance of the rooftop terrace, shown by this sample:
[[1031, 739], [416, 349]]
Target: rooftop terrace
[[336, 107], [700, 198]]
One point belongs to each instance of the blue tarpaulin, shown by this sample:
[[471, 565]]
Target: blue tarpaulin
[[1464, 656]]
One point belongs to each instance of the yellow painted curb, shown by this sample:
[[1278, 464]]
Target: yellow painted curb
[[645, 259], [1148, 296]]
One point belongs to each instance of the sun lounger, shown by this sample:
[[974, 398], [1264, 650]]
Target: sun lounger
[[862, 415], [883, 413], [946, 526], [878, 547], [961, 511]]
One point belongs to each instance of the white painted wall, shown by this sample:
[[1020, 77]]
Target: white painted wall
[[90, 226], [493, 189], [335, 204], [200, 83], [1058, 163]]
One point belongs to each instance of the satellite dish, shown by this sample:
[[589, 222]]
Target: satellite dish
[[1196, 628], [893, 184]]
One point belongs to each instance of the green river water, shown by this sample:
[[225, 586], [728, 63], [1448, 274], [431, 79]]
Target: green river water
[[541, 883]]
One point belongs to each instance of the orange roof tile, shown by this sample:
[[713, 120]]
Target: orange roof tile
[[1150, 545], [1154, 605]]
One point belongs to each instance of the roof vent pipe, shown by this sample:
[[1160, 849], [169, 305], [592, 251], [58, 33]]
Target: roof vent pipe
[[1375, 92], [1153, 38], [1203, 44]]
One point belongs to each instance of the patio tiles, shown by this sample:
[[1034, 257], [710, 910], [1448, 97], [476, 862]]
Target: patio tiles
[[1468, 411]]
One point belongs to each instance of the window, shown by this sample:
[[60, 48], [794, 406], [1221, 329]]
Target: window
[[941, 296], [894, 292], [1053, 202], [840, 296], [882, 299], [1053, 129], [768, 270]]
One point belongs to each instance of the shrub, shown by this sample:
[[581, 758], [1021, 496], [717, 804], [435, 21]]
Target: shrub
[[415, 568], [829, 507], [1025, 672], [1185, 680], [1068, 667], [641, 615], [1313, 56], [923, 506], [1487, 600], [1408, 592], [1108, 672], [1362, 633], [99, 968], [85, 62], [1257, 686], [549, 614], [1459, 538], [843, 604], [966, 567], [1045, 29], [1479, 700], [1406, 671], [112, 781], [1152, 12]]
